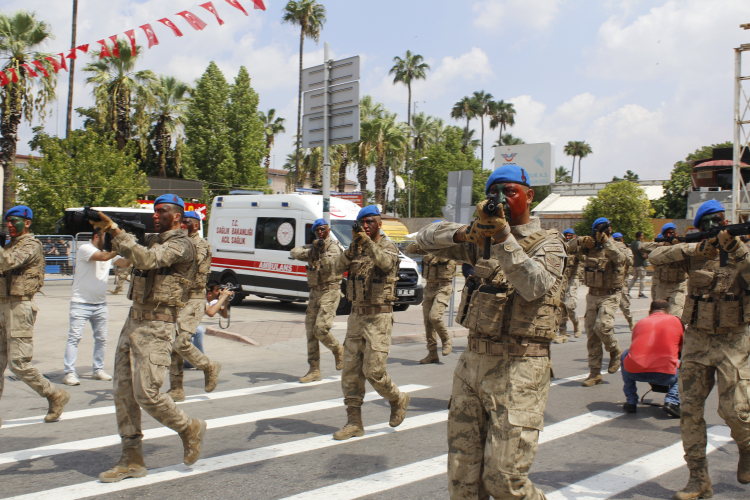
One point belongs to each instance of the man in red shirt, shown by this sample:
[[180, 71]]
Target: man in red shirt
[[654, 357]]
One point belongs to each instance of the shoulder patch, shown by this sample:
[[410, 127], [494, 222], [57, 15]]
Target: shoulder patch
[[554, 263]]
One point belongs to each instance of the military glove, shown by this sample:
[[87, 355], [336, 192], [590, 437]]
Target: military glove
[[587, 241], [601, 237], [491, 225], [729, 243], [359, 236], [473, 234], [104, 224], [707, 249]]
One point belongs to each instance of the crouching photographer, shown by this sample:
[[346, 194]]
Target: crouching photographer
[[217, 302]]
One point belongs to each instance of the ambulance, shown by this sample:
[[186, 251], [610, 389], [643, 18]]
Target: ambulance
[[251, 237]]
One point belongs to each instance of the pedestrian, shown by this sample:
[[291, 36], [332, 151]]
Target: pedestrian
[[372, 265], [21, 277], [570, 301], [669, 281], [624, 295], [325, 293], [640, 263], [88, 304], [161, 270], [502, 379]]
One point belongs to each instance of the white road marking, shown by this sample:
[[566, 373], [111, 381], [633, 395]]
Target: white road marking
[[92, 488], [210, 396], [400, 476], [559, 381], [158, 432]]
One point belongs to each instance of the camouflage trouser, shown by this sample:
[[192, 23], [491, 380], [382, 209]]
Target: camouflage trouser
[[674, 293], [436, 300], [625, 304], [496, 412], [183, 349], [321, 311], [600, 324], [17, 346], [368, 340], [706, 359], [141, 363], [639, 273], [570, 303], [122, 275]]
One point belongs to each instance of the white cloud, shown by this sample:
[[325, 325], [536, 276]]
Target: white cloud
[[494, 14]]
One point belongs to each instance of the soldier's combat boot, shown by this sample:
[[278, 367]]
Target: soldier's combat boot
[[432, 357], [699, 486], [338, 355], [130, 465], [353, 427], [560, 339], [211, 376], [595, 378], [631, 323], [176, 392], [577, 331], [192, 440], [313, 374], [57, 404], [743, 468], [398, 409], [614, 360], [447, 346]]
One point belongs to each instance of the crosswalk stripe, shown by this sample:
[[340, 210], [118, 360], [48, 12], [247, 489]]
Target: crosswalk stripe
[[568, 379], [640, 470], [83, 490], [400, 476], [107, 410], [215, 423]]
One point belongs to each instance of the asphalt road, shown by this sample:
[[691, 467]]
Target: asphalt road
[[269, 437]]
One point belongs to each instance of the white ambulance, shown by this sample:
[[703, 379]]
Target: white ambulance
[[251, 236]]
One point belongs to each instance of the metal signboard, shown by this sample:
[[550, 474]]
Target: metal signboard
[[459, 195], [343, 127], [339, 96], [537, 159], [345, 70]]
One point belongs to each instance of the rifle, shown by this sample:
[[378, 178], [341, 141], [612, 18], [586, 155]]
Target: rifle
[[133, 227], [491, 209], [602, 227], [356, 227], [697, 237]]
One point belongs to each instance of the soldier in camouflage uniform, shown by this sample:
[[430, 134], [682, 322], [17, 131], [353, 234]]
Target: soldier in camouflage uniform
[[438, 273], [669, 281], [325, 295], [372, 263], [122, 275], [716, 344], [190, 317], [164, 270], [510, 306], [604, 273], [21, 276], [570, 300], [624, 295]]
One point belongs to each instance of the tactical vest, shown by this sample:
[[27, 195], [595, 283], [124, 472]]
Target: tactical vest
[[321, 271], [367, 284], [491, 308], [198, 288], [437, 269], [670, 274], [717, 296], [168, 286], [599, 272], [25, 280]]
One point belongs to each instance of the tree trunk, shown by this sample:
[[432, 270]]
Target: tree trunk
[[8, 142], [299, 105], [72, 63], [481, 117], [268, 161], [466, 139], [362, 176], [123, 121], [408, 110], [579, 169], [573, 171], [379, 176], [342, 169]]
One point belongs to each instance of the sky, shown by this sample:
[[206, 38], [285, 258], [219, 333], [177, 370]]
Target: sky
[[645, 83]]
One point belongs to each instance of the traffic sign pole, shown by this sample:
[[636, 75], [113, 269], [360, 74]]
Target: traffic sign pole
[[326, 157]]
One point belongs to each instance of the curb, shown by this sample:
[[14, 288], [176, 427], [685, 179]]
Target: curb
[[225, 334]]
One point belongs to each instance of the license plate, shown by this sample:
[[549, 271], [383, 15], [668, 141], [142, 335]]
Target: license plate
[[402, 293]]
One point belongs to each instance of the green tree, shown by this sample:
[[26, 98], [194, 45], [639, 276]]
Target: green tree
[[503, 116], [86, 169], [467, 108], [509, 140], [629, 176], [626, 206], [171, 98], [21, 37], [572, 148], [411, 67], [310, 16], [484, 107], [246, 133], [273, 125], [562, 174]]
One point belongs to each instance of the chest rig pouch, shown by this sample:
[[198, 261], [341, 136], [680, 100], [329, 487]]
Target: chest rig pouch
[[204, 268], [369, 284], [321, 270], [438, 270], [599, 272], [141, 284], [716, 299], [166, 286], [26, 280], [670, 274]]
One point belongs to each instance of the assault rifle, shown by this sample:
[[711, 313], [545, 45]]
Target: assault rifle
[[491, 209], [133, 227], [356, 227], [696, 237], [602, 228]]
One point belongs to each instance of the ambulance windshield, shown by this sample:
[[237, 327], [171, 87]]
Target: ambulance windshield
[[343, 231]]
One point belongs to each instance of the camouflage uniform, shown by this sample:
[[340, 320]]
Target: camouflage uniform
[[669, 281], [604, 274], [716, 345], [325, 294], [122, 274], [570, 301], [501, 381], [624, 294]]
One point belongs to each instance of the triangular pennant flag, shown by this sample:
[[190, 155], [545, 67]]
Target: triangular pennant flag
[[62, 61], [3, 79], [209, 6], [258, 4], [40, 65], [84, 48], [14, 75], [192, 20], [105, 50], [72, 54], [152, 40], [31, 72], [131, 36], [236, 5], [115, 47], [169, 24], [55, 65]]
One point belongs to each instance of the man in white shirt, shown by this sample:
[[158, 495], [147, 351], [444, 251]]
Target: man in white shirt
[[88, 302], [217, 301]]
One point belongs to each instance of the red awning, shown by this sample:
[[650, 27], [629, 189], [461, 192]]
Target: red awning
[[719, 163]]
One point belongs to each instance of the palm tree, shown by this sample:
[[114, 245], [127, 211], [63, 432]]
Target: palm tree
[[578, 149], [171, 98], [310, 16], [509, 140], [406, 70], [118, 89], [343, 155], [272, 126], [584, 151], [465, 108], [391, 138], [21, 36], [562, 174], [503, 116], [485, 106], [369, 114]]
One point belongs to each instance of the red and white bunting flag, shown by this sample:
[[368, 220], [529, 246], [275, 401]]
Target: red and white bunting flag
[[30, 71], [3, 79], [40, 65], [84, 48], [192, 20], [258, 4], [72, 54], [169, 24], [152, 40], [237, 5], [105, 50], [14, 75], [63, 64], [55, 64], [209, 6], [115, 46], [131, 36]]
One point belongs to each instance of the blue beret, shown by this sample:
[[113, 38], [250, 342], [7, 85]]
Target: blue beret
[[170, 198], [668, 225], [709, 207], [569, 231], [191, 214], [20, 211], [507, 173], [617, 235], [659, 236], [368, 211], [319, 222], [600, 220]]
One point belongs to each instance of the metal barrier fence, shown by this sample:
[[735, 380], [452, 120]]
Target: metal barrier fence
[[59, 255]]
